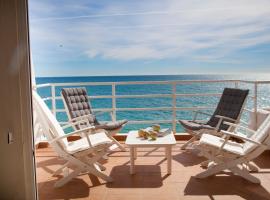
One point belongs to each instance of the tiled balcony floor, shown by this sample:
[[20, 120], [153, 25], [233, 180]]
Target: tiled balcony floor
[[150, 181]]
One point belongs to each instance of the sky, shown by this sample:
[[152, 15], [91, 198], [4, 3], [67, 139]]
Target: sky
[[150, 37]]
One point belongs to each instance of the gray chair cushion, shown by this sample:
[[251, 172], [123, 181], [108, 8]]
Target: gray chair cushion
[[111, 125], [230, 105], [78, 105], [195, 126]]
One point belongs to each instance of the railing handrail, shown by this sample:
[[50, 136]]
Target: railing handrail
[[149, 82], [145, 82]]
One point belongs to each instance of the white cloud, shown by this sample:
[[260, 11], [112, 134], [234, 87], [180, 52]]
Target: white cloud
[[133, 30]]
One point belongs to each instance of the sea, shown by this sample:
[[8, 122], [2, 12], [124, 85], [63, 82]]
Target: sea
[[197, 101]]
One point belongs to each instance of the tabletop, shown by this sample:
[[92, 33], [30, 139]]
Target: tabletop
[[134, 140]]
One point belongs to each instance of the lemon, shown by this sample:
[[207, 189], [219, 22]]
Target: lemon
[[156, 127]]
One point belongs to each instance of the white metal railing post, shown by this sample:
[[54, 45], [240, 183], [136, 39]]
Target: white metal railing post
[[174, 107], [236, 84], [53, 99], [256, 104], [113, 102]]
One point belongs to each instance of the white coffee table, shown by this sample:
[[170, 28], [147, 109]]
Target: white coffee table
[[134, 142]]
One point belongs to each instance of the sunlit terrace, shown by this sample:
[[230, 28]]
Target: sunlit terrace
[[151, 178]]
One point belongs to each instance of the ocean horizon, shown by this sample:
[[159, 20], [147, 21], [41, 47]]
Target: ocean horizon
[[263, 95]]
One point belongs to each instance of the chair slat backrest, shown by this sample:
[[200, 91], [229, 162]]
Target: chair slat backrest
[[51, 127], [262, 135], [230, 105], [77, 104]]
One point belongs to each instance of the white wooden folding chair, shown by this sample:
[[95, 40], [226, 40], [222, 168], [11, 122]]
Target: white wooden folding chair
[[224, 154], [83, 154]]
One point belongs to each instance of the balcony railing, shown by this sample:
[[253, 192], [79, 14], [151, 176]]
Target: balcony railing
[[174, 95]]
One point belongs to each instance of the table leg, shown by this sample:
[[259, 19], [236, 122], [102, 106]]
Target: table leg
[[132, 160], [169, 159], [135, 153]]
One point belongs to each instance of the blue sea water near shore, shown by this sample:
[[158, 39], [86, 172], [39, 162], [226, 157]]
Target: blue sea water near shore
[[198, 101]]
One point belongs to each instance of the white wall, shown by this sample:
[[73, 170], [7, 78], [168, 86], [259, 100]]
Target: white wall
[[16, 160]]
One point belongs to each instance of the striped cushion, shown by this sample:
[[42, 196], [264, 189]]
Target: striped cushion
[[78, 105]]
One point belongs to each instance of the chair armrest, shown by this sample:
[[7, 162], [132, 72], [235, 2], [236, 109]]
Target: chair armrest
[[80, 118], [240, 136], [200, 112], [237, 126], [221, 119], [103, 112], [196, 112], [71, 124], [85, 130], [225, 118]]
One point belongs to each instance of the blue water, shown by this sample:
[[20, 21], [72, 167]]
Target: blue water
[[263, 100]]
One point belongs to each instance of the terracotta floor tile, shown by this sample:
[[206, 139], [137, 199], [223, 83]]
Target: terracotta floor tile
[[151, 180]]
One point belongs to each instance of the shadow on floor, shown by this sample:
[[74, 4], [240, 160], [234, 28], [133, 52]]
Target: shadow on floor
[[76, 188], [50, 162], [45, 165], [260, 160], [218, 186], [146, 176], [188, 158]]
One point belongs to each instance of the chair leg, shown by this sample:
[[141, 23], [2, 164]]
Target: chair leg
[[120, 146], [235, 169], [66, 179], [188, 142], [205, 163], [212, 168], [113, 147], [212, 171], [245, 174], [252, 167], [99, 166], [99, 174], [57, 172]]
